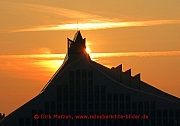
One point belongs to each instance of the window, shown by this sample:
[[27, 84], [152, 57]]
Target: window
[[90, 90], [103, 122], [171, 113], [109, 122], [59, 107], [65, 122], [97, 107], [97, 122], [90, 78], [159, 117], [121, 98], [91, 122], [40, 111], [53, 122], [146, 105], [121, 106], [72, 111], [65, 106], [96, 98], [84, 89], [65, 89], [34, 122], [46, 107], [115, 97], [96, 89], [78, 122], [71, 77], [71, 90], [71, 97], [84, 79], [72, 106], [115, 107], [59, 122], [109, 97], [103, 89], [140, 107], [90, 107], [153, 114], [59, 93], [109, 106], [84, 75], [171, 122], [134, 105], [152, 121], [128, 107], [90, 75], [40, 122], [78, 74], [103, 108], [165, 121], [128, 97], [28, 123], [165, 113], [53, 107], [71, 123], [78, 98], [78, 105], [146, 122], [84, 122], [21, 121], [84, 98], [177, 113], [103, 98], [78, 89], [84, 106], [152, 105]]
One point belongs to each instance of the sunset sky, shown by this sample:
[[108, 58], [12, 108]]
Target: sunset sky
[[141, 35]]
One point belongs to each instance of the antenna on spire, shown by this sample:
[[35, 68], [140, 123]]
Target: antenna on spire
[[77, 25]]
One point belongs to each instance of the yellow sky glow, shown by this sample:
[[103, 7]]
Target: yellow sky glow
[[100, 25]]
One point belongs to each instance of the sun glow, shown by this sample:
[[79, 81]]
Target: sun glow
[[88, 50]]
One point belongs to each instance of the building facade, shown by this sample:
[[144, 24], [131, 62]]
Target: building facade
[[85, 93], [2, 116]]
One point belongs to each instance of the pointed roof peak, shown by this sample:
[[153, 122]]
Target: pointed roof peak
[[77, 45], [77, 36]]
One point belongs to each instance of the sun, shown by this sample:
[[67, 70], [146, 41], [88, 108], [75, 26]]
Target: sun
[[88, 50]]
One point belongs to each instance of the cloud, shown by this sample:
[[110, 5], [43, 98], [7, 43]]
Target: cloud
[[72, 14], [99, 25], [93, 55], [138, 54], [31, 66], [87, 21]]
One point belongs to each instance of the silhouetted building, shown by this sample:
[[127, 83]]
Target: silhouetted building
[[85, 93], [2, 116]]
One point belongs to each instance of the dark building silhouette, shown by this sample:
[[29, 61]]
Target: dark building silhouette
[[85, 93], [2, 116]]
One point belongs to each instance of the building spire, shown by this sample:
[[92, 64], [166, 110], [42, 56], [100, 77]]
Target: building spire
[[77, 45]]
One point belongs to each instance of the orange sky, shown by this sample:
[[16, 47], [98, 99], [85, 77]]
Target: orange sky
[[142, 35]]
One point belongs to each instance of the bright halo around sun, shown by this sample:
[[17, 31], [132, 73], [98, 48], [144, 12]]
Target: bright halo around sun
[[88, 50]]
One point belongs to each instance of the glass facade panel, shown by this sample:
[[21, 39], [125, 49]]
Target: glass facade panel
[[21, 121], [159, 117], [103, 89], [90, 78], [27, 122], [81, 97], [128, 97]]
